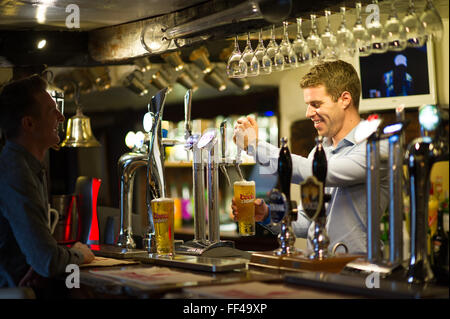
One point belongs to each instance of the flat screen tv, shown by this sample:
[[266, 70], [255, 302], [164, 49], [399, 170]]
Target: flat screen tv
[[392, 79]]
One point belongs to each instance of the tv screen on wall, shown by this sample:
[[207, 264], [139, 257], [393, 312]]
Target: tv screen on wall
[[394, 78]]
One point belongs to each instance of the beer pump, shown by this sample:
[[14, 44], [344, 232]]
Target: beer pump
[[421, 155], [370, 131], [286, 238], [283, 211]]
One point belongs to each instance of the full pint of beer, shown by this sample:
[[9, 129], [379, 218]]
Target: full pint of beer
[[244, 196], [163, 217]]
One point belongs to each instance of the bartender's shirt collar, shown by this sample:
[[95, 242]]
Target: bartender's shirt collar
[[349, 139], [34, 163]]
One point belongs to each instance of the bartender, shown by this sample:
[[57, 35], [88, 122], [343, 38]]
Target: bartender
[[29, 118], [331, 92]]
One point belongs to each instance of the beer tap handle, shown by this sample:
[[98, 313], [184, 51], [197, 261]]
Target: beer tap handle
[[223, 136], [320, 166], [285, 169], [187, 114]]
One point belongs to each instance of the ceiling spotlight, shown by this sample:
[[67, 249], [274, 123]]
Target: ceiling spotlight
[[100, 76], [135, 82], [200, 57], [174, 59], [160, 81], [187, 80], [242, 83], [41, 44], [143, 64], [215, 80]]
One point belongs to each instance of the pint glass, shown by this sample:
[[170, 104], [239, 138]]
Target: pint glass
[[244, 196], [163, 216]]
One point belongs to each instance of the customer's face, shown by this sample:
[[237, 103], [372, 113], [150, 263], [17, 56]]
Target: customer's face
[[327, 115], [46, 129]]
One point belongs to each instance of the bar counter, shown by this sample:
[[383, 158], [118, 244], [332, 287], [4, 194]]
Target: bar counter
[[140, 278]]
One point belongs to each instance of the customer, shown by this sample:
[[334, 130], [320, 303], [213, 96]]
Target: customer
[[29, 118], [331, 92]]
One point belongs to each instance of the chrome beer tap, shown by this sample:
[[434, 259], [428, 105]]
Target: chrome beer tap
[[209, 142], [156, 186], [421, 155], [128, 164], [197, 173], [370, 130]]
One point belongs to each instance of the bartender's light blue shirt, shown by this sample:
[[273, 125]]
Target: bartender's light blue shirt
[[346, 183]]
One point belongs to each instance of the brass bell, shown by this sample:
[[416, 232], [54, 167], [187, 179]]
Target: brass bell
[[79, 132]]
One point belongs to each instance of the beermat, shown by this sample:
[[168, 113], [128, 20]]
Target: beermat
[[106, 262], [151, 275], [258, 290]]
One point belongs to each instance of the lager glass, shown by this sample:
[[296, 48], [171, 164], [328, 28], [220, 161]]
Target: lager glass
[[244, 196], [163, 216]]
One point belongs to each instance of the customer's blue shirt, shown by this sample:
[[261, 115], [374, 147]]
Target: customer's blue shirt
[[346, 183], [25, 237]]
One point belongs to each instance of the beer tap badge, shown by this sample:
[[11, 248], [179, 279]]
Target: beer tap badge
[[278, 205], [311, 194]]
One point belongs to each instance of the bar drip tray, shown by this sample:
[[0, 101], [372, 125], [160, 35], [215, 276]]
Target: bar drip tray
[[195, 262], [111, 251], [218, 249]]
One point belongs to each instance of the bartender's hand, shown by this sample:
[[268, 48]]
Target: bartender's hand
[[245, 132], [261, 210], [87, 253]]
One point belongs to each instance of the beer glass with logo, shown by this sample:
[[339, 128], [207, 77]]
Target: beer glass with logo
[[163, 216], [244, 196]]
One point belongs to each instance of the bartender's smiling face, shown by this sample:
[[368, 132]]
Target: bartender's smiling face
[[328, 116]]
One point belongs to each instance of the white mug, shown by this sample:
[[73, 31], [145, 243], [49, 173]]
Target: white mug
[[55, 213]]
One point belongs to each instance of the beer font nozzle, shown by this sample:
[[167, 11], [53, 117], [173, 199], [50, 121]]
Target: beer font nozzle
[[421, 155]]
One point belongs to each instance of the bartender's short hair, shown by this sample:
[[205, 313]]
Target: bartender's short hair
[[337, 77], [18, 99]]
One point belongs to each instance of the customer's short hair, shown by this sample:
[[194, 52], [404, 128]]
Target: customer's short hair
[[18, 99], [336, 77]]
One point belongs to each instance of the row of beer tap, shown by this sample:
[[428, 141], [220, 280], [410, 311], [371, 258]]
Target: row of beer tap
[[206, 162], [419, 157]]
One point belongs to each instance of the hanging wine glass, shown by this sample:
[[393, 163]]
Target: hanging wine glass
[[415, 32], [314, 41], [344, 37], [249, 58], [329, 40], [273, 51], [236, 67], [431, 21], [376, 32], [299, 45], [360, 34], [286, 49], [395, 32], [265, 65]]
